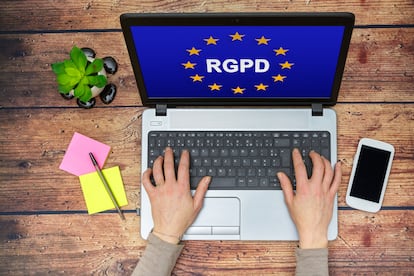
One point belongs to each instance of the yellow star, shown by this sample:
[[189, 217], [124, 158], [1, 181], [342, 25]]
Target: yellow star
[[286, 65], [215, 86], [280, 51], [188, 65], [278, 78], [237, 36], [262, 40], [194, 51], [238, 90], [197, 77], [211, 40], [261, 86]]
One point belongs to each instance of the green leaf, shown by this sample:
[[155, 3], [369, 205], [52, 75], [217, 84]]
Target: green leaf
[[58, 67], [84, 81], [64, 89], [98, 81], [69, 64], [66, 80], [79, 59], [83, 92], [73, 73], [63, 79], [94, 67]]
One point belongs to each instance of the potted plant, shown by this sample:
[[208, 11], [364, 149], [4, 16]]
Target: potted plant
[[84, 77]]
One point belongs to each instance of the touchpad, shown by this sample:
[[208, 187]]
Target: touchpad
[[219, 216]]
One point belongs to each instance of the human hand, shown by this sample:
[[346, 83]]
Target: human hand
[[173, 207], [311, 206]]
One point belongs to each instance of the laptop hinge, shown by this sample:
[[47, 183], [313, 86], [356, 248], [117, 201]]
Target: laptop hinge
[[161, 110], [317, 109]]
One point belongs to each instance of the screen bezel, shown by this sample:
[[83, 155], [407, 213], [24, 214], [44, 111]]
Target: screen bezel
[[237, 19]]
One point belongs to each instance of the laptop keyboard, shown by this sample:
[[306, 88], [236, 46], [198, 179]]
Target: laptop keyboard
[[243, 160]]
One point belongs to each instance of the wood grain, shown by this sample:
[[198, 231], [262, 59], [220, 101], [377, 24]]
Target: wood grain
[[33, 145], [52, 15], [373, 73], [44, 226], [77, 244], [69, 244], [34, 142]]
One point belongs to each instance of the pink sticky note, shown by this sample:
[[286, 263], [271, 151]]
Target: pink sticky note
[[77, 161]]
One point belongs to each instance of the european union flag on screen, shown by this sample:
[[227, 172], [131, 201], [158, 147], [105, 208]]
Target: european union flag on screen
[[237, 63]]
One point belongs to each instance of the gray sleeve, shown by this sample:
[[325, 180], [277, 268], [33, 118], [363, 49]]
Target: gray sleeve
[[158, 258], [312, 262]]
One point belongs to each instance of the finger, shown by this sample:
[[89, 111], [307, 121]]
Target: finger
[[146, 182], [337, 179], [200, 192], [318, 167], [286, 187], [169, 169], [328, 175], [299, 166], [158, 172], [184, 168]]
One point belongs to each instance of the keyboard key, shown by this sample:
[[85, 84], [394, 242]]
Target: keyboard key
[[264, 182], [285, 155], [252, 182], [221, 172], [281, 143], [216, 182]]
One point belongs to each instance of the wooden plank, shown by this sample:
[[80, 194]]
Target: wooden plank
[[73, 15], [29, 65], [36, 125], [69, 244], [33, 143], [380, 67], [391, 123], [79, 244]]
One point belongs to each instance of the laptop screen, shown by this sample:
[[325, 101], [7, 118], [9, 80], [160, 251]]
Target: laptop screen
[[238, 63]]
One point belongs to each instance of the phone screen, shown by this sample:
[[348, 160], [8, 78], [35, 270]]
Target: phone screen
[[370, 173]]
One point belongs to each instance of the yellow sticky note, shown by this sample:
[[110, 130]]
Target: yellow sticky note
[[96, 197]]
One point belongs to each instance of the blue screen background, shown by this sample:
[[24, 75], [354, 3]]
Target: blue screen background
[[312, 55]]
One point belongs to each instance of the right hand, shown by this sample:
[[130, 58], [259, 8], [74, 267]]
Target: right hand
[[311, 206]]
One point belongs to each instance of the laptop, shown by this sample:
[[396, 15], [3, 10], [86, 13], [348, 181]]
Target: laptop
[[214, 81]]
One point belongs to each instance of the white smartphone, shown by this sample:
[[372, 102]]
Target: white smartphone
[[369, 176]]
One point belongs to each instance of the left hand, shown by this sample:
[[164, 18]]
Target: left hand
[[173, 207]]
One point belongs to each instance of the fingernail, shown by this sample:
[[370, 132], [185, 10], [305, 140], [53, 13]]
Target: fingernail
[[207, 180]]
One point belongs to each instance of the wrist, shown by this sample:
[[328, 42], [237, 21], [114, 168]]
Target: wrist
[[313, 241], [173, 239]]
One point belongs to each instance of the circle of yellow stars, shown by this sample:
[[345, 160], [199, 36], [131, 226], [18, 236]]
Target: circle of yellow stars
[[237, 37]]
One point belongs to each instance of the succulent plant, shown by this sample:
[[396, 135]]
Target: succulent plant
[[78, 75]]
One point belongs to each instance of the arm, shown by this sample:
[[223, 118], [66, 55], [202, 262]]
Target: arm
[[173, 210], [159, 257], [312, 262], [311, 210]]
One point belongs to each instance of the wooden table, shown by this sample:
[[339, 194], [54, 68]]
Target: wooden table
[[44, 226]]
